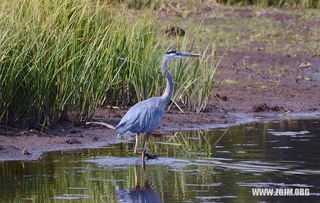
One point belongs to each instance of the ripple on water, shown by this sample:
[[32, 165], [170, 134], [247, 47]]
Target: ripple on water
[[300, 140], [270, 184], [127, 161], [72, 196], [245, 144], [307, 171], [105, 180], [224, 152], [201, 185], [259, 163], [77, 188], [282, 147], [216, 197], [288, 133], [180, 164]]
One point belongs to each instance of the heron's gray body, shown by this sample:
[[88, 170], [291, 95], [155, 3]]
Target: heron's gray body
[[143, 117]]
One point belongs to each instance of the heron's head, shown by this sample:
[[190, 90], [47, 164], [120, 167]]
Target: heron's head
[[175, 54]]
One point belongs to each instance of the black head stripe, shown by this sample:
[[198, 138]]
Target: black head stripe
[[173, 51]]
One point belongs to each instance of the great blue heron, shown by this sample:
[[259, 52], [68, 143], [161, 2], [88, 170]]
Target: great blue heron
[[146, 115]]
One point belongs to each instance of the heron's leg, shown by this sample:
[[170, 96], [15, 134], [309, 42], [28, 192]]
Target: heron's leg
[[144, 149], [136, 145], [149, 156]]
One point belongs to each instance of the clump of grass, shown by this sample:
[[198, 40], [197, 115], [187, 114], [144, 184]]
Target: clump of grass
[[58, 57], [61, 58]]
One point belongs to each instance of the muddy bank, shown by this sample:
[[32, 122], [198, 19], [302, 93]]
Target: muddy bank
[[31, 145]]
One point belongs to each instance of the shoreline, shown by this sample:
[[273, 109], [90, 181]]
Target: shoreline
[[34, 147]]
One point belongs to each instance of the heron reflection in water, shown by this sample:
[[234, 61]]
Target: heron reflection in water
[[138, 193], [145, 116]]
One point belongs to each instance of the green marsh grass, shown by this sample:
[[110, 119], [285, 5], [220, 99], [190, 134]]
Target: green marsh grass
[[64, 58]]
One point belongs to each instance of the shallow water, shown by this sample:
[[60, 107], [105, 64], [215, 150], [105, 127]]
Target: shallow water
[[222, 165]]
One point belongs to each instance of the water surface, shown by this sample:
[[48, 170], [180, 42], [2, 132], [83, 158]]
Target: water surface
[[222, 165]]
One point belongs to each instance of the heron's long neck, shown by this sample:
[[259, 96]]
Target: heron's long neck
[[169, 88]]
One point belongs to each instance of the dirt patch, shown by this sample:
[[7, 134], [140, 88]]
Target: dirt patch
[[264, 107], [256, 77]]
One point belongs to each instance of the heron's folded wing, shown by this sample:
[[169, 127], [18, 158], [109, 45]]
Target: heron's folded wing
[[142, 117]]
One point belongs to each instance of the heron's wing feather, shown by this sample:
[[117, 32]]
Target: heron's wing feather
[[142, 117]]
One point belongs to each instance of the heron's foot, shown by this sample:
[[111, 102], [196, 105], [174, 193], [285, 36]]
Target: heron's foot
[[150, 156]]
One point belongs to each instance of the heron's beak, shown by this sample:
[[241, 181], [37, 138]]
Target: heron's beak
[[189, 54]]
